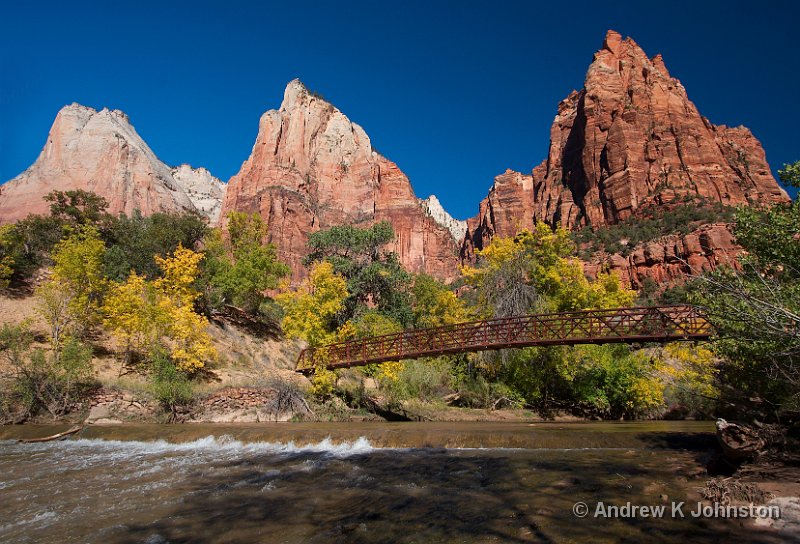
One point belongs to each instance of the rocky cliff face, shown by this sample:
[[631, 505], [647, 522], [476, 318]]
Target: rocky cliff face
[[204, 190], [434, 208], [312, 168], [631, 137], [100, 151], [509, 208], [672, 258]]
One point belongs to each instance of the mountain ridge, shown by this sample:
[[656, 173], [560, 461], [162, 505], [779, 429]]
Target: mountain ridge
[[629, 139], [100, 151]]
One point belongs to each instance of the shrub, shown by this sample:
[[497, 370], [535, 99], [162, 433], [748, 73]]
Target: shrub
[[54, 382], [171, 386], [423, 379], [478, 392], [323, 384]]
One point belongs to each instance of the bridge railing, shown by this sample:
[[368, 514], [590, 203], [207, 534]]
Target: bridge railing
[[619, 325]]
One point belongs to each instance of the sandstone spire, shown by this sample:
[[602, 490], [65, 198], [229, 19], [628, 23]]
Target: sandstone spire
[[630, 138], [434, 208], [312, 168]]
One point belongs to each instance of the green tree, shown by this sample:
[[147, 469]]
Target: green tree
[[756, 310], [77, 207], [29, 242], [134, 241], [7, 252], [239, 266], [374, 276], [26, 245], [790, 174]]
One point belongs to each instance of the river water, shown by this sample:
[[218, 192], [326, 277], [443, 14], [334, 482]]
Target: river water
[[355, 482]]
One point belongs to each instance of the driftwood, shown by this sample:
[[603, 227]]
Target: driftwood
[[68, 432], [727, 490], [739, 443]]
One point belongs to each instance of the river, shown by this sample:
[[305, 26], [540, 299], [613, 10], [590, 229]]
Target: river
[[356, 482]]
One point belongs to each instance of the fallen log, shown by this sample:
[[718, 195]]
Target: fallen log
[[68, 432], [739, 443]]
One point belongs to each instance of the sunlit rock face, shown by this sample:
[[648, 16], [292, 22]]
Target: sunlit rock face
[[630, 138], [672, 258], [434, 208], [100, 151], [204, 190], [312, 168]]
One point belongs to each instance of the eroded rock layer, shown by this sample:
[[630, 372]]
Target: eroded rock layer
[[672, 258]]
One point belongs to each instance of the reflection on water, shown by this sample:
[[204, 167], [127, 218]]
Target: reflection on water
[[366, 483]]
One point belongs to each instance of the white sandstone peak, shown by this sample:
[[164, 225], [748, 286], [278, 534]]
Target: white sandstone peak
[[101, 152], [204, 190], [434, 208]]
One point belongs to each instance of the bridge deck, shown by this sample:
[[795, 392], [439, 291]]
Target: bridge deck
[[619, 325]]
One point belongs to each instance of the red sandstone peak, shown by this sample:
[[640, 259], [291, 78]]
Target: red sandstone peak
[[312, 168], [613, 41], [100, 151], [630, 138]]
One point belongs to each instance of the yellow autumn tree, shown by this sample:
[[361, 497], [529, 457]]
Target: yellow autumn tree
[[690, 373], [133, 315], [311, 308], [70, 300], [191, 346], [373, 323], [309, 313], [435, 304], [536, 270], [179, 274], [147, 314], [6, 257]]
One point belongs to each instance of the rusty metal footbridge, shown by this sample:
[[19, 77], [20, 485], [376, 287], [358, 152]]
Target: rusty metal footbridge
[[619, 325]]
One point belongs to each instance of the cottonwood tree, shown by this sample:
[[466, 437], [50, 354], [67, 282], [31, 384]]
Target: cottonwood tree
[[756, 310], [239, 265]]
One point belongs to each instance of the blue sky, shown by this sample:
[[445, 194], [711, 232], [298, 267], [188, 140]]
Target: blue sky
[[454, 92]]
